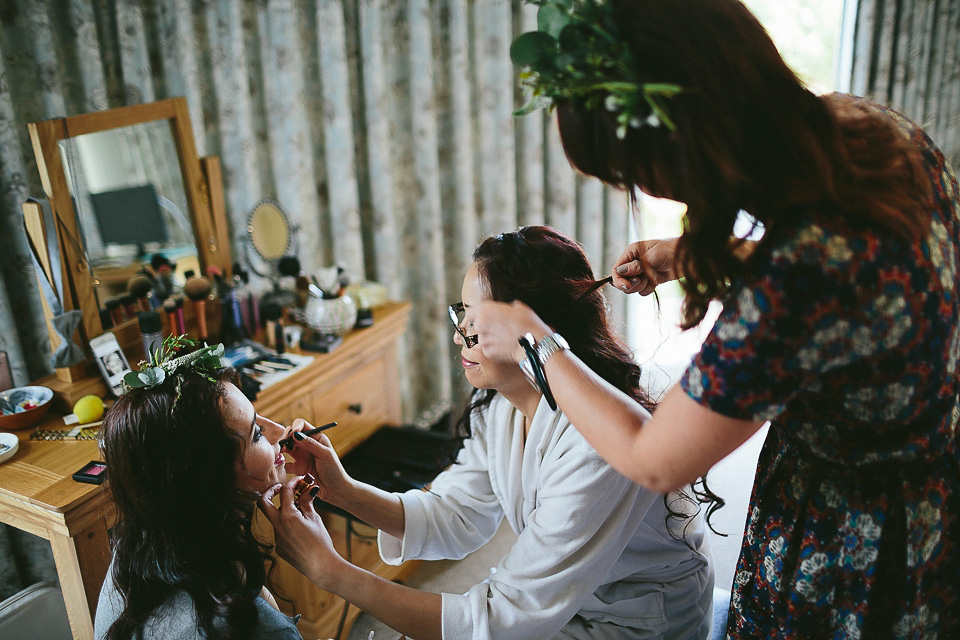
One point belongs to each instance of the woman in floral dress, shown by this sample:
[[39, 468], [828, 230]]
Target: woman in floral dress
[[839, 327]]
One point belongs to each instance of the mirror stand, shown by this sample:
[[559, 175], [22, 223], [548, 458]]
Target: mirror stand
[[59, 145]]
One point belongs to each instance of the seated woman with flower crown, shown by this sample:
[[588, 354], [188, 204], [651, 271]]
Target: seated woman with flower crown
[[188, 457]]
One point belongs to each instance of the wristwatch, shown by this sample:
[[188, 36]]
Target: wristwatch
[[536, 354], [549, 345]]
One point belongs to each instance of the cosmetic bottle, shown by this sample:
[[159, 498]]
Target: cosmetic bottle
[[273, 313], [231, 323], [241, 292], [151, 331]]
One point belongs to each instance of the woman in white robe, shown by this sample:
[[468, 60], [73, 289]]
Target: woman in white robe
[[596, 555]]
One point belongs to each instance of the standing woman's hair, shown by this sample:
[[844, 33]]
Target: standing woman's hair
[[748, 136], [549, 272], [183, 523]]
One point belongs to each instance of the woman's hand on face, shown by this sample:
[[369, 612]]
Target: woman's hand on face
[[301, 538], [303, 461], [644, 265], [499, 325], [324, 464]]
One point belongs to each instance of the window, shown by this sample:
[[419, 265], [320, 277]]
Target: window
[[808, 34]]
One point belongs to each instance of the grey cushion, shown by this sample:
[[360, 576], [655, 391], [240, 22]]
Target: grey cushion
[[35, 612]]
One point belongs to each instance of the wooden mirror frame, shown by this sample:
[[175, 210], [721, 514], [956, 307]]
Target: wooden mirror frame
[[202, 185]]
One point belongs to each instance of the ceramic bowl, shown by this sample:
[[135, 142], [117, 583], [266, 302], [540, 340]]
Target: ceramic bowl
[[331, 315], [9, 443], [36, 399]]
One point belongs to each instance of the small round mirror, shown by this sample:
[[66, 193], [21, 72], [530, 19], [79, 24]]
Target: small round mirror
[[269, 230]]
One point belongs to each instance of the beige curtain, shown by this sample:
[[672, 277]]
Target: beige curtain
[[383, 127], [906, 54]]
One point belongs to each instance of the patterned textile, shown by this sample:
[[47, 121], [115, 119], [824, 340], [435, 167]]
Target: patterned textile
[[847, 339]]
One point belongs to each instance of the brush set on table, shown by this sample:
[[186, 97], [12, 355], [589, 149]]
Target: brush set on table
[[261, 364]]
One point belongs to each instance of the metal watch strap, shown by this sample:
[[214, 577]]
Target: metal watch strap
[[549, 345]]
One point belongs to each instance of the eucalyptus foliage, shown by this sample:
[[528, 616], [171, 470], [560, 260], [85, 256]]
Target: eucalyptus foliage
[[164, 362], [577, 53]]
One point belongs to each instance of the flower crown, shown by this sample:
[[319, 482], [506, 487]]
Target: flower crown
[[577, 52], [162, 363]]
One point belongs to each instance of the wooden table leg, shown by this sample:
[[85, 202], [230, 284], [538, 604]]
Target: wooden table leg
[[82, 563], [71, 584]]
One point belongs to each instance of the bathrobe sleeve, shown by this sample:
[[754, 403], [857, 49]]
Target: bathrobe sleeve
[[585, 517], [460, 515]]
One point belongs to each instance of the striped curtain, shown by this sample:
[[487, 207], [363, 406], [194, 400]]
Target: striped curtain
[[906, 54], [383, 127]]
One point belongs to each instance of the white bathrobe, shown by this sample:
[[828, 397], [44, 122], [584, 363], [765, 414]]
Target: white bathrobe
[[593, 557]]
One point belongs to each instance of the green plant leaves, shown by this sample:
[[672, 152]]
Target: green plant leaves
[[578, 53], [553, 17], [534, 49]]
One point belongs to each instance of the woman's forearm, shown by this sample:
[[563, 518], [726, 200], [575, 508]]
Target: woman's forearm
[[662, 452], [414, 613], [609, 419], [374, 506]]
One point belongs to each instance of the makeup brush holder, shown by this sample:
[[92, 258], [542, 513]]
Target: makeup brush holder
[[331, 315]]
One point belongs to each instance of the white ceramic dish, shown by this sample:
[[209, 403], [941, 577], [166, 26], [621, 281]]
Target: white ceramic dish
[[9, 443]]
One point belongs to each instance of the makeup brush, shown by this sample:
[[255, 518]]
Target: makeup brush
[[116, 313], [287, 443], [170, 306], [164, 269], [181, 324], [141, 287], [197, 289], [127, 301]]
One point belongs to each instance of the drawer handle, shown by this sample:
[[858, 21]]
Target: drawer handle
[[355, 408]]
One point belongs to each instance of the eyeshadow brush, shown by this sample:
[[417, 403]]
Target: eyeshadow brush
[[288, 442]]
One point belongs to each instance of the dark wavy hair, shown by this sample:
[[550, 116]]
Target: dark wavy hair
[[183, 523], [748, 136], [549, 272]]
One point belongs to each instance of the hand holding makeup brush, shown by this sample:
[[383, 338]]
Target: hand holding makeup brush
[[197, 289], [315, 455]]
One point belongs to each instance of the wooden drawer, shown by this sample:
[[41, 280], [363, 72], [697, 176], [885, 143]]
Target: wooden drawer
[[285, 414], [359, 404]]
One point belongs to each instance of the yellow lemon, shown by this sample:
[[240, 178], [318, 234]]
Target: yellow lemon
[[88, 409]]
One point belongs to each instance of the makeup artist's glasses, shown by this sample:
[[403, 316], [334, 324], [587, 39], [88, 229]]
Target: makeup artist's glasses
[[457, 316], [458, 313]]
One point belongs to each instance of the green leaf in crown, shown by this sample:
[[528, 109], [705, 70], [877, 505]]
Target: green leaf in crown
[[164, 362], [577, 52]]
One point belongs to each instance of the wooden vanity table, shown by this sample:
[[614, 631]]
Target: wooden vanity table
[[356, 385]]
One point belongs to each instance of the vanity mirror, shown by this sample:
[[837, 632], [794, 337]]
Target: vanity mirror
[[124, 185], [269, 230], [130, 201]]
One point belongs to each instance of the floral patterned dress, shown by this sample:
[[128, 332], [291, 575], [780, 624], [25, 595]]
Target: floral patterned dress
[[848, 342]]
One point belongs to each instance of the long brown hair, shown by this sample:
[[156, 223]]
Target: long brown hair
[[183, 523], [749, 136], [550, 273]]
